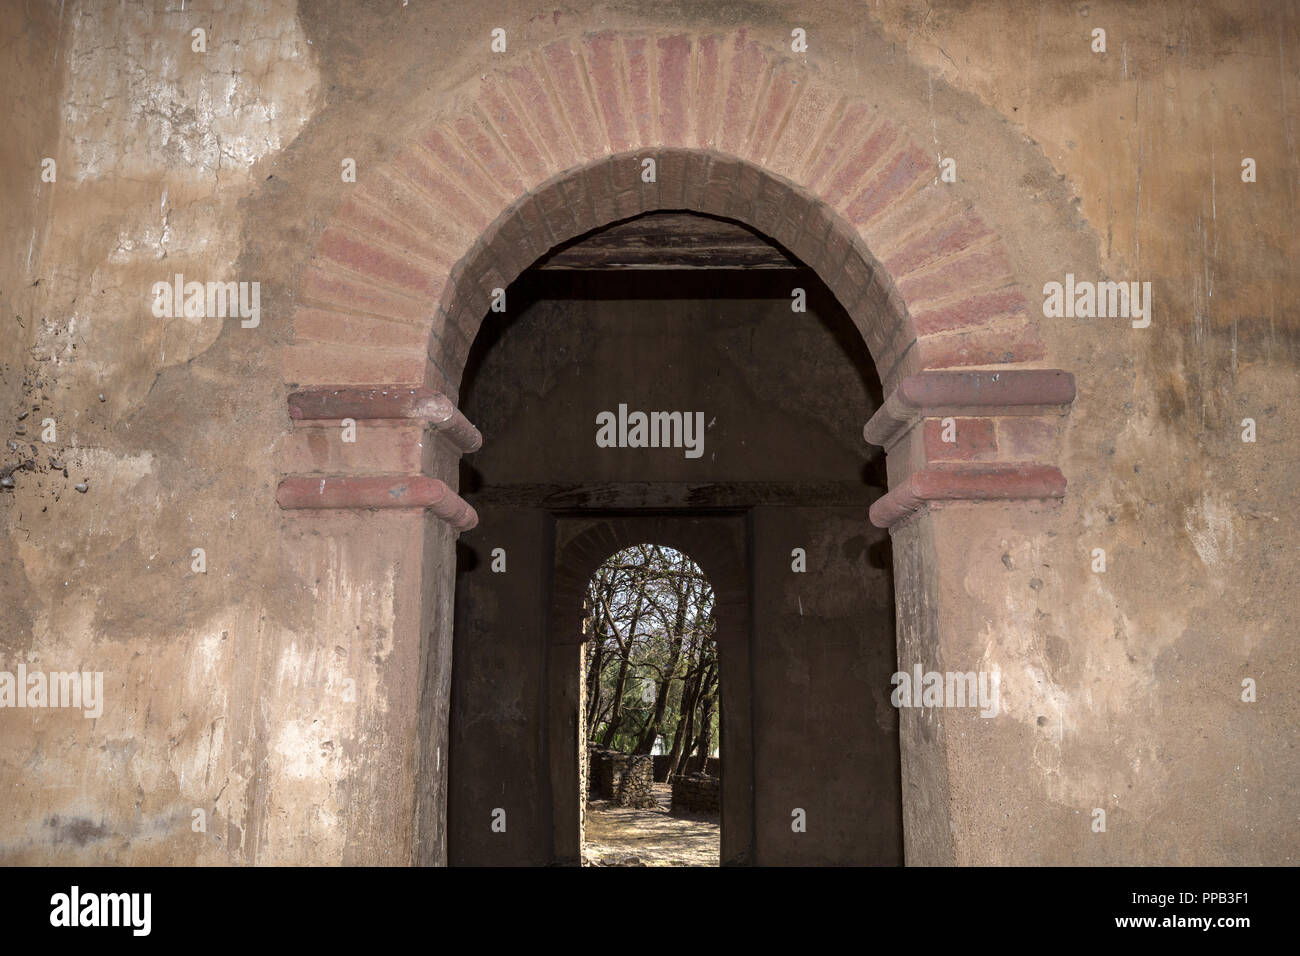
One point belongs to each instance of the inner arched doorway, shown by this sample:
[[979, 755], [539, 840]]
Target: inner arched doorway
[[649, 715], [719, 545]]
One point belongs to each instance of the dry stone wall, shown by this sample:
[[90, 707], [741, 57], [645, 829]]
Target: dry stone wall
[[696, 793], [623, 779]]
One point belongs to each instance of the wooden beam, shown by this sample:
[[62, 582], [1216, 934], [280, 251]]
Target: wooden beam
[[670, 240], [669, 495]]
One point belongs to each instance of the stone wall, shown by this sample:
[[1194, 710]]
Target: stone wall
[[713, 766], [626, 780], [696, 793]]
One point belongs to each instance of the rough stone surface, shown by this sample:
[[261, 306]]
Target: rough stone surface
[[625, 780], [696, 793]]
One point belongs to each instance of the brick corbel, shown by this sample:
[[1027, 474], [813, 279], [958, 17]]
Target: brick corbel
[[921, 472], [411, 410], [968, 394], [945, 481], [422, 404], [377, 491]]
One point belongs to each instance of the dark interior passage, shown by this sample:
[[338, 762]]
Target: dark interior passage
[[774, 487]]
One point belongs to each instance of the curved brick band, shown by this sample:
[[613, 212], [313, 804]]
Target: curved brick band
[[967, 482], [552, 144], [983, 393], [379, 491], [424, 404]]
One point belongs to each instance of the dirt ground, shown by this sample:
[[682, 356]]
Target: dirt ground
[[626, 836]]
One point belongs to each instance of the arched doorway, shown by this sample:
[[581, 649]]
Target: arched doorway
[[649, 786], [771, 508], [531, 159]]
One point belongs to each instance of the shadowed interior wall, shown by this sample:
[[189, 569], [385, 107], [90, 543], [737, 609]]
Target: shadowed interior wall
[[826, 735], [784, 394], [498, 758]]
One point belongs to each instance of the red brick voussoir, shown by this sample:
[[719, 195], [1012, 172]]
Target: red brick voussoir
[[756, 114]]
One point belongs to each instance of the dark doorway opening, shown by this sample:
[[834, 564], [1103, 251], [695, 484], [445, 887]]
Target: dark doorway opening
[[769, 497]]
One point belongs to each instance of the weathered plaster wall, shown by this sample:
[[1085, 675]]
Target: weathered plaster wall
[[226, 690], [29, 93], [1123, 689], [156, 146]]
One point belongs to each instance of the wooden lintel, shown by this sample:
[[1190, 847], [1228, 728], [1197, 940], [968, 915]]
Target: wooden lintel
[[670, 240]]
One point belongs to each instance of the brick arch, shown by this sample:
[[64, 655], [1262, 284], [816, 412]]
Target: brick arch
[[549, 146], [546, 145], [609, 189]]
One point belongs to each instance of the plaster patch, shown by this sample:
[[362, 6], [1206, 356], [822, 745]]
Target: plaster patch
[[174, 110], [1210, 527]]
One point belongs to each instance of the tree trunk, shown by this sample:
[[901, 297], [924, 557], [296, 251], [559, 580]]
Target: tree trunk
[[616, 713], [625, 646], [596, 662], [683, 591], [704, 743], [681, 736]]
